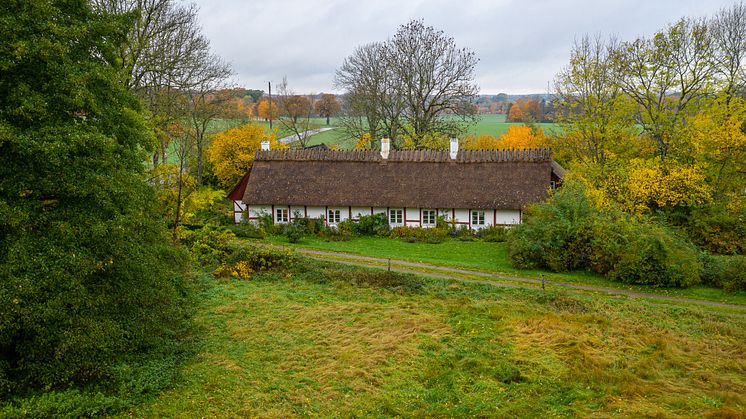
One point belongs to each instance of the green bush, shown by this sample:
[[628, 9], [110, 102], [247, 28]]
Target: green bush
[[716, 229], [496, 234], [262, 258], [207, 246], [464, 234], [568, 233], [367, 225], [335, 234], [727, 272], [248, 230]]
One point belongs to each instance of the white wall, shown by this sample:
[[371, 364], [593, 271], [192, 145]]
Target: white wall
[[412, 217], [316, 212], [238, 208], [358, 211], [503, 217]]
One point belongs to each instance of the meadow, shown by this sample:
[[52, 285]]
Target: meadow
[[320, 339]]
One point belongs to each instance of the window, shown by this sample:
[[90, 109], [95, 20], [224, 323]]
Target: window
[[396, 216], [281, 215], [477, 218], [428, 217], [553, 185], [334, 216]]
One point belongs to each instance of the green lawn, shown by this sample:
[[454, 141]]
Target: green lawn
[[331, 341], [491, 257]]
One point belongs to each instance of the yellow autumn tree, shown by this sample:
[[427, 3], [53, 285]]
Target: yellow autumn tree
[[262, 109], [522, 136], [481, 142], [717, 140], [650, 185], [365, 142], [232, 151]]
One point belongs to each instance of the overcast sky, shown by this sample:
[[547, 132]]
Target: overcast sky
[[521, 44]]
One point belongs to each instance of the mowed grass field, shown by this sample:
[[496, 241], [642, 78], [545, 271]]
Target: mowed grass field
[[326, 340]]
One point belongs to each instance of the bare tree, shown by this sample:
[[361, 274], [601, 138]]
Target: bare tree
[[406, 85], [166, 55], [295, 113], [729, 38]]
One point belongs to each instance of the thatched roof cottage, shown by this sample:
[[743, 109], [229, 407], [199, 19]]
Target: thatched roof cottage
[[472, 188]]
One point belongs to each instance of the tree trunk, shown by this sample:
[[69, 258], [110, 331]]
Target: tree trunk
[[327, 120]]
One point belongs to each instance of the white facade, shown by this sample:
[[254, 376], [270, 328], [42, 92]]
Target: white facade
[[397, 216]]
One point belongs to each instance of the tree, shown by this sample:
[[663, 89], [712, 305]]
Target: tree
[[165, 56], [522, 137], [596, 115], [407, 85], [263, 109], [86, 276], [232, 151], [666, 76], [524, 109], [327, 106], [729, 39], [295, 113]]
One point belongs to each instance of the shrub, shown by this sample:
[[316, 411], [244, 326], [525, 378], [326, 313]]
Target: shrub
[[568, 233], [335, 234], [207, 246], [369, 225], [248, 230], [716, 229], [727, 272], [464, 233], [495, 234]]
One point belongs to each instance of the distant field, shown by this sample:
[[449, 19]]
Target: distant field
[[486, 124]]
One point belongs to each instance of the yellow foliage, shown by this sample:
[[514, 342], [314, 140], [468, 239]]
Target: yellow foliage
[[240, 270], [650, 186], [364, 142], [522, 136], [232, 151], [481, 142]]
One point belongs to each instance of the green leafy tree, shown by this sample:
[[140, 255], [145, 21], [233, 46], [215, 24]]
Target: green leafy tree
[[86, 271]]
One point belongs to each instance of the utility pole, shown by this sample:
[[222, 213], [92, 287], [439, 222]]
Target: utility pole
[[269, 83]]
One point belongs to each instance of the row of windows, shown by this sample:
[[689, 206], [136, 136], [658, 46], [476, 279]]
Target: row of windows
[[396, 216]]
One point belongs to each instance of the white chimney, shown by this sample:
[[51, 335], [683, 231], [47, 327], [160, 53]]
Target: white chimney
[[265, 145], [454, 148], [385, 147]]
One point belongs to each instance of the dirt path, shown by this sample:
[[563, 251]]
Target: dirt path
[[445, 272]]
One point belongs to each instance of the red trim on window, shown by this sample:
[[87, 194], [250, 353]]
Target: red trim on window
[[494, 217], [305, 211], [350, 213], [274, 216]]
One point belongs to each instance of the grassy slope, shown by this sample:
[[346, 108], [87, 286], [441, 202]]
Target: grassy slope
[[492, 257], [315, 343]]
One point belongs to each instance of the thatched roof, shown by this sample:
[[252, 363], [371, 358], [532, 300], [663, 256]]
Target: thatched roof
[[479, 179]]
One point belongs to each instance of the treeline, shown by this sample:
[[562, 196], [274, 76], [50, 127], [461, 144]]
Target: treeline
[[654, 127]]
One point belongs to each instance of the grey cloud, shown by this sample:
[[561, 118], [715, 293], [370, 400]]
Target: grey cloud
[[521, 44]]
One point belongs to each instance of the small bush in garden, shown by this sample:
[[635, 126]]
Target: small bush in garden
[[266, 222], [496, 234], [294, 231], [371, 225], [248, 230], [261, 258], [335, 234], [239, 270], [465, 234], [207, 246]]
